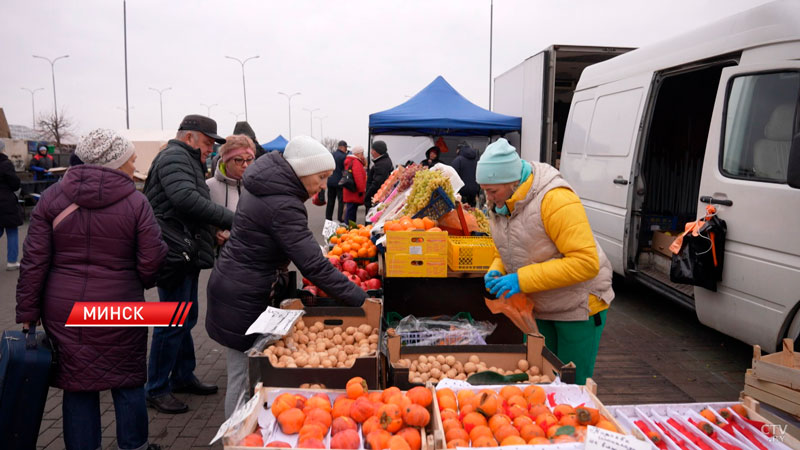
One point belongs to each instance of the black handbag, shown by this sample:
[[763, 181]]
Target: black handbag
[[182, 257], [348, 181], [700, 259]]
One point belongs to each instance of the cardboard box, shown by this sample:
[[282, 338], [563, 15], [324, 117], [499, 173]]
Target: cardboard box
[[367, 367], [504, 356], [403, 265], [661, 243], [267, 395], [417, 242]]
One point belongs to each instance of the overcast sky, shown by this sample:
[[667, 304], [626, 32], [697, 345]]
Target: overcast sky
[[348, 58]]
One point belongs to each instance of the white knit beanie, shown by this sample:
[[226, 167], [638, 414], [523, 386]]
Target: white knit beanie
[[307, 156], [104, 148]]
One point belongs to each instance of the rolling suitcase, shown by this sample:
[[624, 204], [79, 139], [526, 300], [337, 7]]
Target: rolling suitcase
[[25, 365]]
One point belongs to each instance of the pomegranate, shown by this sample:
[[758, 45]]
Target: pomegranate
[[372, 269], [350, 266], [336, 262], [373, 283], [362, 274]]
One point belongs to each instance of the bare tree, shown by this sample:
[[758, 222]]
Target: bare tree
[[330, 143], [55, 128]]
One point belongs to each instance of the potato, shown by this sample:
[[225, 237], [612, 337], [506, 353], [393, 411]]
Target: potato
[[436, 373], [474, 359], [534, 379], [470, 367], [351, 330], [305, 386], [340, 364], [544, 379], [446, 368], [422, 359], [452, 373], [327, 363], [300, 325], [417, 380], [372, 339], [314, 361], [349, 349], [312, 336], [319, 325], [328, 334], [373, 347], [440, 359], [461, 376], [349, 339], [365, 328], [301, 360], [523, 365], [450, 360], [337, 330], [291, 365], [303, 339], [535, 370], [338, 339], [359, 336], [333, 351], [424, 377]]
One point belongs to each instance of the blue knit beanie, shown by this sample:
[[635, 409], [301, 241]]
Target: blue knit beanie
[[499, 164]]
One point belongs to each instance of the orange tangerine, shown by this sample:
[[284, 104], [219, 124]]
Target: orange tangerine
[[354, 253], [498, 420], [512, 440], [505, 431], [478, 431], [535, 395], [509, 391], [363, 253], [484, 441], [334, 239], [419, 224], [456, 433], [531, 431], [457, 443], [521, 421], [428, 223], [540, 441], [337, 250], [434, 229]]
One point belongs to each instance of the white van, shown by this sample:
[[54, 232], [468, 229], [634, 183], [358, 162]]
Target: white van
[[708, 117]]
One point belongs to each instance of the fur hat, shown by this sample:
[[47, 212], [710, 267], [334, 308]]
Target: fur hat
[[104, 147], [307, 156]]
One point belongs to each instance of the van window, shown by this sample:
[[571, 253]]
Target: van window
[[581, 118], [759, 126], [614, 123]]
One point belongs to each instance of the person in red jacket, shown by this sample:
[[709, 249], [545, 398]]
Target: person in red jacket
[[353, 199]]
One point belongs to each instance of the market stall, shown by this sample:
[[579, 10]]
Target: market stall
[[279, 144]]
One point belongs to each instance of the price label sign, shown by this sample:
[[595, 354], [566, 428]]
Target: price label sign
[[238, 417], [329, 229], [275, 321], [599, 439]]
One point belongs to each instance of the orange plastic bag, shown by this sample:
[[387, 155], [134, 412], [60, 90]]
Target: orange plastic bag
[[518, 308]]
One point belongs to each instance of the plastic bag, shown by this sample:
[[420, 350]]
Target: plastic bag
[[698, 254], [518, 308]]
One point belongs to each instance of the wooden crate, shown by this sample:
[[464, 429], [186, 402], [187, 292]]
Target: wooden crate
[[268, 394], [756, 411], [775, 379]]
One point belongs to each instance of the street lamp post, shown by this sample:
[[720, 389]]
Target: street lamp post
[[208, 108], [161, 102], [33, 106], [53, 73], [236, 115], [321, 132], [289, 97], [311, 120], [244, 88]]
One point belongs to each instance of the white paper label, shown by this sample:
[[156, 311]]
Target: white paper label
[[238, 417], [275, 321], [599, 439], [415, 250], [329, 229]]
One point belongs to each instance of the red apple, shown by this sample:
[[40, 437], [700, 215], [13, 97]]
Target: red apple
[[373, 283], [362, 274], [372, 269], [350, 266]]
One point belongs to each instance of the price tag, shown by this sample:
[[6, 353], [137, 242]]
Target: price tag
[[415, 250], [599, 439], [275, 321], [238, 417], [329, 229]]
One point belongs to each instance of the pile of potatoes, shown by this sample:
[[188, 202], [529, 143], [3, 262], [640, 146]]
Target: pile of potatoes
[[320, 347], [439, 367]]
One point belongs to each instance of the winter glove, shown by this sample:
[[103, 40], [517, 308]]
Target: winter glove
[[505, 286]]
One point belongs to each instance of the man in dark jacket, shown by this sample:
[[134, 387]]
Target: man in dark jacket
[[334, 190], [271, 231], [176, 189], [381, 168], [10, 210], [465, 164]]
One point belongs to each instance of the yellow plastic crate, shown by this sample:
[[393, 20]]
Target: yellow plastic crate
[[417, 242], [469, 253], [403, 265]]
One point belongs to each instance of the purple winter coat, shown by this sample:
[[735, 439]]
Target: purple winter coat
[[109, 249]]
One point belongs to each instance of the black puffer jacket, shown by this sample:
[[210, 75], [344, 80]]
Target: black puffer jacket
[[176, 187], [10, 212], [466, 163], [269, 232], [381, 168]]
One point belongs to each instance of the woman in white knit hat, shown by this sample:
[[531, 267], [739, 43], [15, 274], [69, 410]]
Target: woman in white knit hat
[[269, 232], [93, 238]]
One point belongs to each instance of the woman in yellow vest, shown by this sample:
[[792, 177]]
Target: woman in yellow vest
[[546, 250]]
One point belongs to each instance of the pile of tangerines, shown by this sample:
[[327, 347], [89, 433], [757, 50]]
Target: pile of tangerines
[[406, 223], [354, 242], [388, 419], [512, 417]]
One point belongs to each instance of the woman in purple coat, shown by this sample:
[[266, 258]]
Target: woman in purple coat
[[107, 250]]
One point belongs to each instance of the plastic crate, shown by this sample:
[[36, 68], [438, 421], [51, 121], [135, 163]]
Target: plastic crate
[[469, 253], [402, 265], [417, 242], [439, 205]]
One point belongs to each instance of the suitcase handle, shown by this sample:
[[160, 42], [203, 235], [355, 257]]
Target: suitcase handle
[[30, 339]]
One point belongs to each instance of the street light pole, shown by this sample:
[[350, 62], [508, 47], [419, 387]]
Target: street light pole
[[53, 73], [321, 130], [244, 87], [161, 102], [311, 120], [235, 115], [491, 35], [125, 39], [289, 97], [208, 108], [33, 106]]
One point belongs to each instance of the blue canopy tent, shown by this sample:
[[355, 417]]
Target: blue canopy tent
[[439, 110], [279, 143]]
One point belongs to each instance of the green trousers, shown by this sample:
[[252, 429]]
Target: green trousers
[[575, 341]]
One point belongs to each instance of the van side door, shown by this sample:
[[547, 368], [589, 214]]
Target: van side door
[[597, 157], [744, 177]]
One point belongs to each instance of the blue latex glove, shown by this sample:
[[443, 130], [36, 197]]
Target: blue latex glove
[[504, 286], [491, 275]]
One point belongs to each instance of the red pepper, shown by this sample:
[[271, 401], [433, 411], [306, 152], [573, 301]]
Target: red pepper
[[689, 435], [749, 436]]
